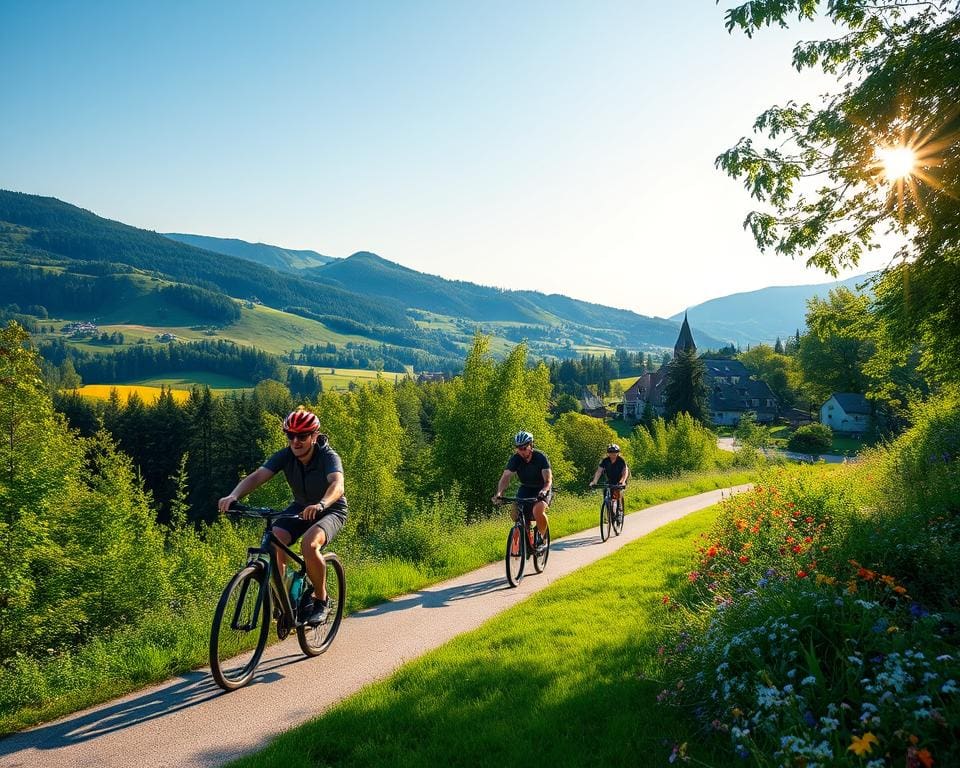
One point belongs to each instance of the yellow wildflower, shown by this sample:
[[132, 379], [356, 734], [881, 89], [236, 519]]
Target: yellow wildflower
[[861, 745]]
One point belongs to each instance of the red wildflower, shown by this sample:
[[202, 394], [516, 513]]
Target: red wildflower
[[801, 574]]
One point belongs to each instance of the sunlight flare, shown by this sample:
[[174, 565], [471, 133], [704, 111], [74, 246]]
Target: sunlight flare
[[897, 162]]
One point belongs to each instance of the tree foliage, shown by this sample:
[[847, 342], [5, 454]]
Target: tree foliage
[[585, 440], [898, 70], [479, 415], [686, 388]]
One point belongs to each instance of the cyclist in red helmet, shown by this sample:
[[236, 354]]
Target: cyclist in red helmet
[[315, 475]]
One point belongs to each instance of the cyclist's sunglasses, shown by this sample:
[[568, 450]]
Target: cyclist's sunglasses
[[298, 435]]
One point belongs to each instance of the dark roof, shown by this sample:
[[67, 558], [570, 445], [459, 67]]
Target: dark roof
[[852, 402], [725, 368], [685, 339], [737, 397], [590, 402]]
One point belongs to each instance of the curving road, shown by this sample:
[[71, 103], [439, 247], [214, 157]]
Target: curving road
[[188, 722]]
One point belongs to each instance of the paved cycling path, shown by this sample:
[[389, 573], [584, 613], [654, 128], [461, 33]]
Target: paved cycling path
[[188, 722]]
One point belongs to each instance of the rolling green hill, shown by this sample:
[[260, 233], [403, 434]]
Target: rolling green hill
[[44, 230], [285, 259]]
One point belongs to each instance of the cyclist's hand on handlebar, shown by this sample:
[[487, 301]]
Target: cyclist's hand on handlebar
[[226, 502], [592, 485], [496, 499], [541, 496]]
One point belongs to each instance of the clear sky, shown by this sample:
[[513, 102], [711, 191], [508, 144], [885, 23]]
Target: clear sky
[[559, 146]]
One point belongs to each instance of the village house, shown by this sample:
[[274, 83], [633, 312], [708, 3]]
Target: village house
[[591, 405], [732, 391], [847, 412]]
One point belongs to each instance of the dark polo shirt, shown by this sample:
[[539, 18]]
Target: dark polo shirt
[[309, 481], [530, 473], [613, 469]]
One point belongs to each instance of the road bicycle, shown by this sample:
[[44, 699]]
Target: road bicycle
[[524, 540], [611, 510], [258, 592]]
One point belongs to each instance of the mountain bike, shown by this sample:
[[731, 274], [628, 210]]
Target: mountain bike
[[257, 592], [525, 540], [611, 510]]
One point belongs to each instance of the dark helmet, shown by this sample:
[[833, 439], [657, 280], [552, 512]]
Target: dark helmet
[[613, 448], [301, 420], [522, 438]]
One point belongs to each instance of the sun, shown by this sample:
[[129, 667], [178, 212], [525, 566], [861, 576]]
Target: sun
[[897, 162]]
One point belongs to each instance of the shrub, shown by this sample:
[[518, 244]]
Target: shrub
[[667, 448], [585, 439], [811, 438]]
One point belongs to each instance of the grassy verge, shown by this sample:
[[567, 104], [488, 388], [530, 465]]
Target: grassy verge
[[559, 680], [175, 641]]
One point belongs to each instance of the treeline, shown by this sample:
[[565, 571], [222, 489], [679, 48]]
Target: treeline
[[373, 357], [61, 291], [145, 360], [571, 377], [213, 306]]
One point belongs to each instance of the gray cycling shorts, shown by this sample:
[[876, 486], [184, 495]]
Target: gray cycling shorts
[[330, 521]]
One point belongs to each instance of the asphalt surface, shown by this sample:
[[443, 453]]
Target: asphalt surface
[[189, 722]]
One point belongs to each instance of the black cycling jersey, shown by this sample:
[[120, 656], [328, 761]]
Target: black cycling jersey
[[309, 481], [613, 469], [529, 472]]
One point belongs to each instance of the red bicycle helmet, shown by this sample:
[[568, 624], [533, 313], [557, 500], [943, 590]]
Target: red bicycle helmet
[[301, 420]]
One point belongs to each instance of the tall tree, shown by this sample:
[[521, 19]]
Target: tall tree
[[686, 387]]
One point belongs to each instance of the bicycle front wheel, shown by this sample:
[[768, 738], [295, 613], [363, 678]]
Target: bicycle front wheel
[[516, 555], [240, 626], [617, 521], [314, 640], [604, 520], [542, 551]]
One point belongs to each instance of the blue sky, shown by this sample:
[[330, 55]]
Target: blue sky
[[566, 147]]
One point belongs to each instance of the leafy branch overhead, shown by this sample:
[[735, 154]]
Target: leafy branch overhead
[[898, 74], [880, 155]]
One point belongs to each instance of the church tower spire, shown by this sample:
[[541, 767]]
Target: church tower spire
[[685, 339]]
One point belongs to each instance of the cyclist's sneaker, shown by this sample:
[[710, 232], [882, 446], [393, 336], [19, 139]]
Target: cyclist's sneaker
[[540, 543], [321, 609]]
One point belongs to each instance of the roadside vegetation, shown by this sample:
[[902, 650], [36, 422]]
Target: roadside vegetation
[[818, 624]]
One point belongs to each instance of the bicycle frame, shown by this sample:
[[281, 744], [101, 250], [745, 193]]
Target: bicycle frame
[[266, 556]]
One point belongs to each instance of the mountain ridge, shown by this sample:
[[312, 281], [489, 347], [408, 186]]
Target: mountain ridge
[[761, 315]]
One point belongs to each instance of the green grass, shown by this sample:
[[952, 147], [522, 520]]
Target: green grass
[[561, 680], [173, 643]]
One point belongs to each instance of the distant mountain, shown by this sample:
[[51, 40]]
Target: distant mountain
[[418, 290], [760, 316], [285, 259]]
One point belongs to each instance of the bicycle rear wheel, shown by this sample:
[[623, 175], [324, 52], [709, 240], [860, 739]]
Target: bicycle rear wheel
[[315, 640], [516, 557], [604, 520], [240, 626], [541, 552], [617, 518]]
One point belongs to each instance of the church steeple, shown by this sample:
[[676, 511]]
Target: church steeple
[[685, 339]]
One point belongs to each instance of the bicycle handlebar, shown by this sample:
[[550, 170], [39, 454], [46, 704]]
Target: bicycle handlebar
[[259, 513], [507, 499], [615, 486]]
